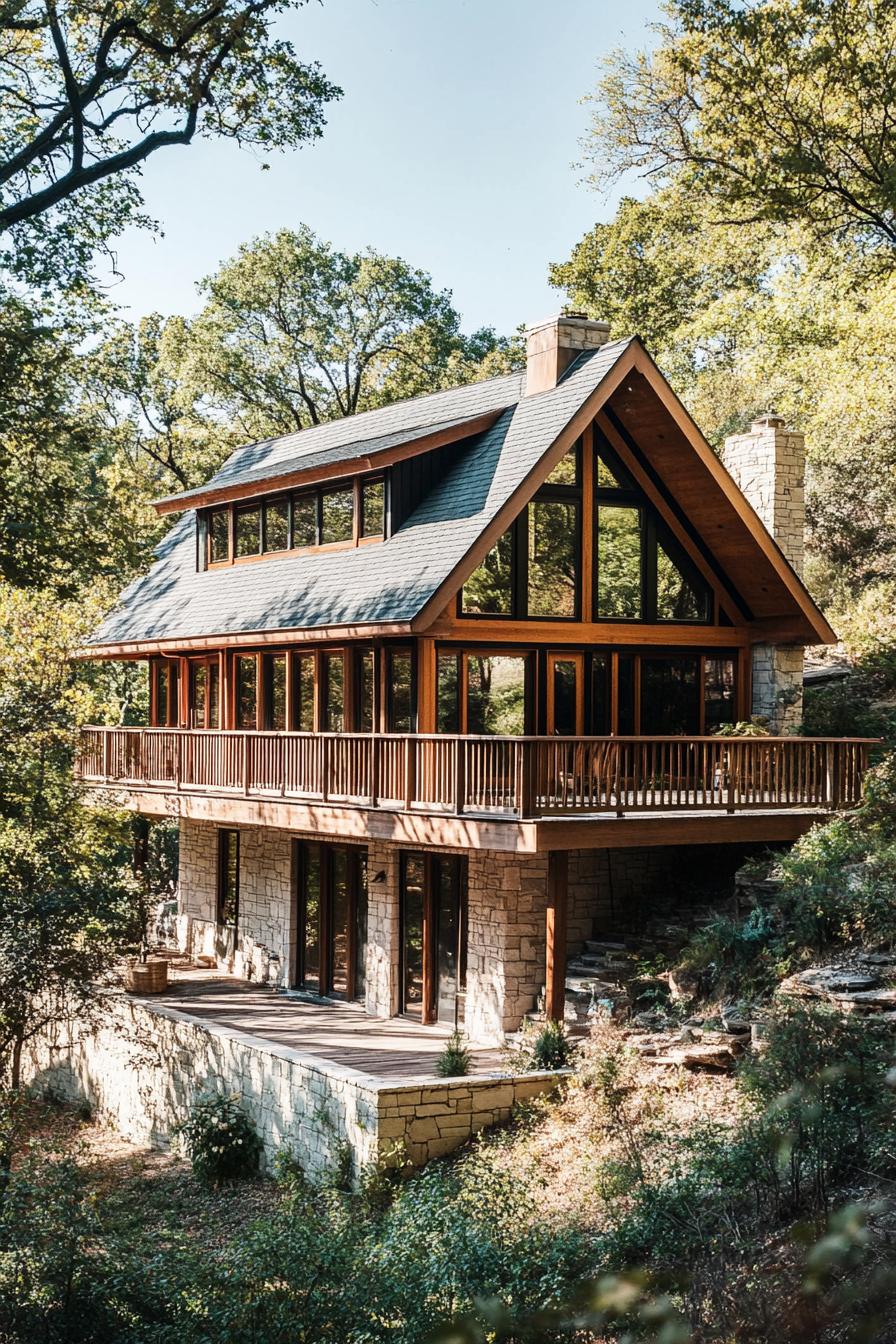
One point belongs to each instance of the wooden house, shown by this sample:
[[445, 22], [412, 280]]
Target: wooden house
[[428, 681]]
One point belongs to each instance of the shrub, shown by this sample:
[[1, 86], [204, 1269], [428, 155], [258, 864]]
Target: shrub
[[455, 1060], [552, 1048], [220, 1139]]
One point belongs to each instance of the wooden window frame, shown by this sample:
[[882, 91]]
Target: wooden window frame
[[463, 652], [389, 653], [224, 835], [354, 856], [577, 658], [430, 949], [208, 662]]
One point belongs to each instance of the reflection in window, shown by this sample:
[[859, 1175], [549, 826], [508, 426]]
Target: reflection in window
[[489, 590], [198, 693], [373, 509], [337, 513], [719, 706], [412, 897], [365, 690], [601, 721], [304, 520], [228, 877], [625, 706], [496, 694], [566, 471], [214, 694], [246, 690], [219, 536], [334, 703], [303, 692], [618, 562], [309, 975], [553, 553], [676, 599], [448, 693], [276, 525], [248, 531], [565, 675], [610, 479], [275, 691], [401, 691], [670, 696]]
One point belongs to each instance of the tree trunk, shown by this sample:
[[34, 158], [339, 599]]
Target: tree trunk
[[15, 1069]]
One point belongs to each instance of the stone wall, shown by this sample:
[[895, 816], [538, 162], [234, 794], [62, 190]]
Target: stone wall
[[143, 1069], [506, 911], [778, 685]]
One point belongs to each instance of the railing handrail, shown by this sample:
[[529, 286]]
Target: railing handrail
[[723, 738]]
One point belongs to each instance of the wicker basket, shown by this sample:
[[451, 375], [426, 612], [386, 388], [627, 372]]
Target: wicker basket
[[147, 977]]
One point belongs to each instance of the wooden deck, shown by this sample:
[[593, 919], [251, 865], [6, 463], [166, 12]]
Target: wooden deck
[[495, 778], [341, 1033]]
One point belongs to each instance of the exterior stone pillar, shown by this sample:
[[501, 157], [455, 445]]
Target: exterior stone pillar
[[383, 949], [768, 464], [506, 913]]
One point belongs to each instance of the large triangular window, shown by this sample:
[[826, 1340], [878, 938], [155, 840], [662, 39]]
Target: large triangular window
[[642, 574]]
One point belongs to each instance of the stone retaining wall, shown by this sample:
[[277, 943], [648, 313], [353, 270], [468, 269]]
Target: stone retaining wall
[[143, 1069]]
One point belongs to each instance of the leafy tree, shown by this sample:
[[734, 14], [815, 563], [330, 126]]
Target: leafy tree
[[64, 890], [92, 91], [776, 111], [296, 332]]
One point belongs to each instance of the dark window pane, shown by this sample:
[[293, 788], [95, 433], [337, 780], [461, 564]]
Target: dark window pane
[[198, 694], [600, 695], [304, 693], [401, 692], [489, 589], [162, 673], [676, 598], [669, 696], [276, 525], [228, 877], [246, 691], [275, 691], [448, 694], [618, 562], [612, 477], [339, 917], [214, 695], [365, 692], [626, 704], [337, 509], [248, 531], [373, 511], [718, 676], [413, 869], [310, 916], [334, 707], [566, 471], [566, 681], [219, 536], [449, 910], [304, 520], [361, 924], [553, 556], [496, 694]]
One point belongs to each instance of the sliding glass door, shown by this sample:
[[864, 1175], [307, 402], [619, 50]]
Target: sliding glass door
[[433, 935], [331, 919]]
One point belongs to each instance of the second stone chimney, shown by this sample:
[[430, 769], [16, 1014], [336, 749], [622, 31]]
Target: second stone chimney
[[553, 344], [769, 465]]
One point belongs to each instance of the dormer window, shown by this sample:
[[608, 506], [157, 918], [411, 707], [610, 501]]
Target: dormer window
[[334, 515]]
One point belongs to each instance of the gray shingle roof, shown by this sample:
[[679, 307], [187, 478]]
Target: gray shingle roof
[[389, 582], [368, 432]]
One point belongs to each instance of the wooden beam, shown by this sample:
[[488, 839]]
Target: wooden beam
[[555, 935]]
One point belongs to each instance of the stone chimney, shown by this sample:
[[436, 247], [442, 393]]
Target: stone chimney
[[552, 345], [768, 463]]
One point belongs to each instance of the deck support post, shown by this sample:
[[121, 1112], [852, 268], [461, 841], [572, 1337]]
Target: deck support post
[[555, 946]]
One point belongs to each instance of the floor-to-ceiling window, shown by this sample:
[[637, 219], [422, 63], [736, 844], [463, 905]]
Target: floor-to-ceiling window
[[331, 919], [433, 935]]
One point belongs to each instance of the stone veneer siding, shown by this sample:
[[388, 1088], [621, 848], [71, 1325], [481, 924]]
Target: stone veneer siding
[[148, 1063], [769, 466]]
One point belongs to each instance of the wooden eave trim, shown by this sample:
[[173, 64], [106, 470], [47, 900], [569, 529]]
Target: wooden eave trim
[[822, 631], [520, 497], [288, 480], [253, 639]]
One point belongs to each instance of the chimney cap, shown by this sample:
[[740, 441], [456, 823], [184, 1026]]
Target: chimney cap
[[770, 420], [577, 318]]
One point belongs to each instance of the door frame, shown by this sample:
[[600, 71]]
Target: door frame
[[577, 658], [430, 930], [355, 854]]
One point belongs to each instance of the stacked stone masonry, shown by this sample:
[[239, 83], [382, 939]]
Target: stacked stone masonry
[[145, 1066]]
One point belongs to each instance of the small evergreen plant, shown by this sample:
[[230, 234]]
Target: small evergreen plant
[[220, 1139], [455, 1060], [551, 1048]]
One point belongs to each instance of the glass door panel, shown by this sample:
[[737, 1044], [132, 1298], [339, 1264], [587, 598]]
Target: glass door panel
[[451, 936], [309, 918], [412, 913], [331, 919], [340, 912], [670, 696], [565, 698]]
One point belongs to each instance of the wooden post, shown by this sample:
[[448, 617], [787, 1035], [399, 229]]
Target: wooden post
[[555, 930], [460, 775]]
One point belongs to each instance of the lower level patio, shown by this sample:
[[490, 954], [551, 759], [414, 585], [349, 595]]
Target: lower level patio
[[341, 1033]]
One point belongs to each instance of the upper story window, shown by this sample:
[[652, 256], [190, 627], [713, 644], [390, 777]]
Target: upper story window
[[339, 515]]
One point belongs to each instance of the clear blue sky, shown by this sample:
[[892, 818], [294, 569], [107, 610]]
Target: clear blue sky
[[453, 146]]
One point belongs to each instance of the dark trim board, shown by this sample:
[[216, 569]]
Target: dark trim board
[[421, 829]]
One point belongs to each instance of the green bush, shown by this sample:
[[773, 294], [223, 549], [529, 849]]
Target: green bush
[[220, 1139], [551, 1048], [455, 1060]]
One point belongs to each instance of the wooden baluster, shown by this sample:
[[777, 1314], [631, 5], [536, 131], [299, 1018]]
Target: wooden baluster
[[460, 776]]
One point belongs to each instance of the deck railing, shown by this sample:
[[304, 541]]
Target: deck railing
[[523, 777]]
